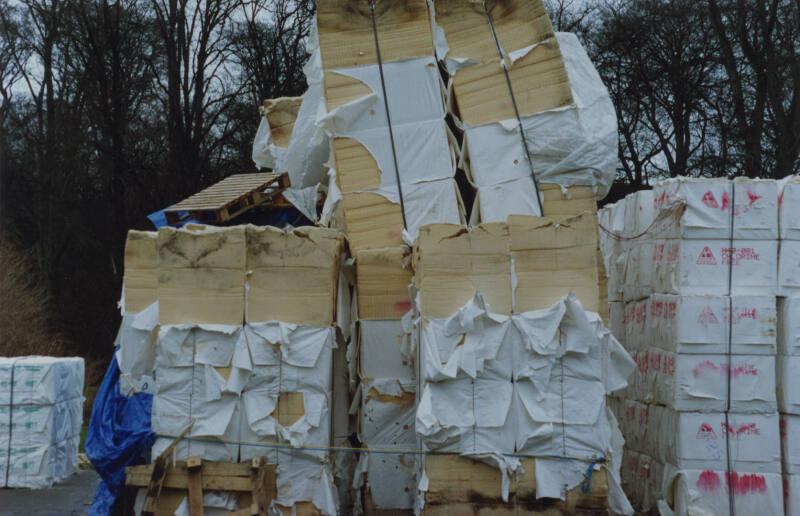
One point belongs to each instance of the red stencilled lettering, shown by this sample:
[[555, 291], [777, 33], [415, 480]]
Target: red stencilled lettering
[[657, 308], [709, 481], [669, 365], [742, 254], [658, 252], [709, 200], [671, 310], [643, 416], [673, 251], [707, 317], [642, 363], [746, 483], [744, 370], [641, 313], [655, 361], [747, 429], [706, 257], [747, 313]]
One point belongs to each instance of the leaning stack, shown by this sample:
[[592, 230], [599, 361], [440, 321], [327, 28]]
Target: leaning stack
[[513, 370], [789, 339], [41, 415], [698, 276]]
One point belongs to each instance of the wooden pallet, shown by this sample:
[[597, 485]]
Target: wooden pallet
[[188, 479], [229, 198]]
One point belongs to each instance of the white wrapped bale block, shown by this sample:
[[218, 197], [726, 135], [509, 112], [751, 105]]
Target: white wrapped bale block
[[703, 325], [697, 440], [790, 443], [568, 146], [789, 326], [709, 492], [37, 425], [385, 350], [788, 204], [40, 380], [561, 359], [789, 268], [791, 494], [640, 271], [694, 208], [39, 466], [701, 267], [639, 216], [789, 384], [699, 382], [386, 423]]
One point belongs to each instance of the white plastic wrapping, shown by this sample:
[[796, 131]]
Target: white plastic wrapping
[[699, 382], [136, 353], [789, 208], [789, 268], [708, 492], [701, 324], [791, 493], [231, 391], [575, 145], [789, 384], [700, 267], [41, 415], [702, 208], [697, 440], [531, 383], [309, 148], [40, 380], [790, 443], [789, 325]]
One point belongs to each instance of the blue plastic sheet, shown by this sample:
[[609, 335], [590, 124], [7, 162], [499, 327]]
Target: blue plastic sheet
[[119, 435]]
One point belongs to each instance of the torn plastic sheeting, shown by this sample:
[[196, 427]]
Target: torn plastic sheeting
[[136, 350], [304, 199], [301, 480], [214, 344], [266, 154], [789, 384], [422, 147], [582, 151], [496, 202], [309, 148]]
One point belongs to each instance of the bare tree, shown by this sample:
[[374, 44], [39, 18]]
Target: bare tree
[[758, 49]]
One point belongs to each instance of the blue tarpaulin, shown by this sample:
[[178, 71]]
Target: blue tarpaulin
[[119, 435]]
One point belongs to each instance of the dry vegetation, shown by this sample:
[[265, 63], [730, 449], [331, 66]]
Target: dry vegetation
[[24, 325]]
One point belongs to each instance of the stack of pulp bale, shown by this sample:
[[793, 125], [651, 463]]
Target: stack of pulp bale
[[244, 353], [789, 340], [513, 372], [694, 298], [41, 414], [398, 115]]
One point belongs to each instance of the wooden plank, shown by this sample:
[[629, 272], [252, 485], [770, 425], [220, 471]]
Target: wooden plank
[[159, 472], [219, 476], [258, 478], [194, 467]]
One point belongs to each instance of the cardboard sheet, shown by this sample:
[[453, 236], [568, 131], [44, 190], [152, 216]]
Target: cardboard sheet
[[201, 275], [383, 277], [140, 281], [292, 275]]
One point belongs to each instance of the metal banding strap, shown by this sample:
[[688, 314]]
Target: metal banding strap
[[388, 115], [488, 13], [729, 460]]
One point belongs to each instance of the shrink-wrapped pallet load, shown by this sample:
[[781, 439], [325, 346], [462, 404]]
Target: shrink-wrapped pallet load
[[41, 416]]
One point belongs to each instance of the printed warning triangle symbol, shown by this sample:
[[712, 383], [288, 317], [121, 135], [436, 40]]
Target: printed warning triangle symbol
[[706, 432], [709, 200], [707, 317], [706, 257]]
